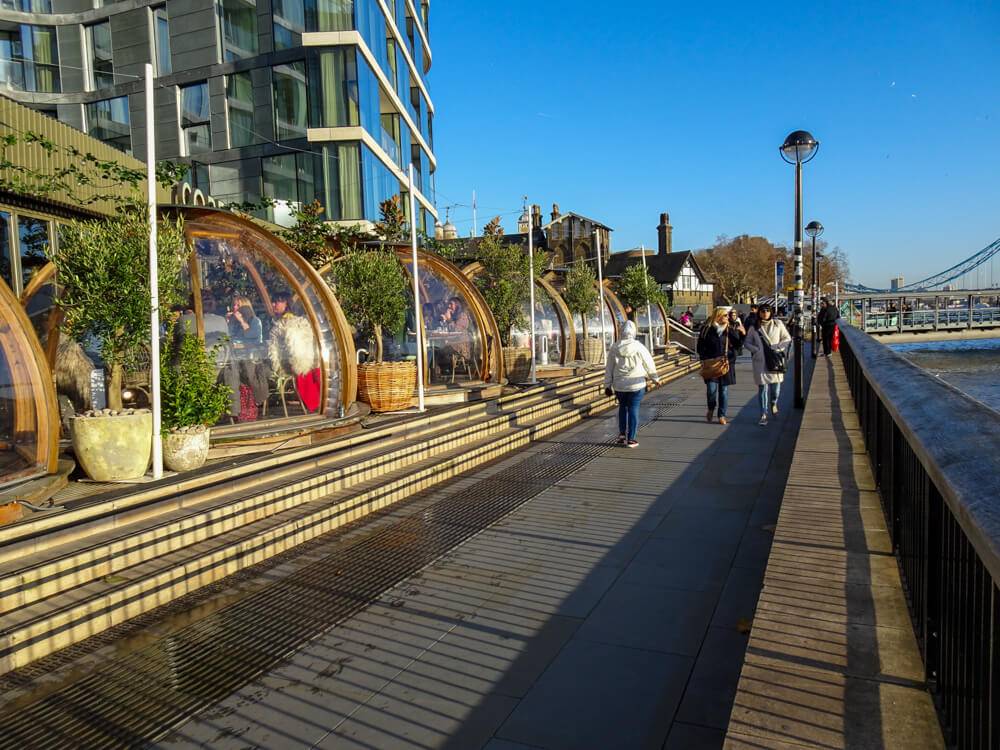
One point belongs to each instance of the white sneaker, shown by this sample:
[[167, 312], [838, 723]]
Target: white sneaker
[[774, 408], [763, 420]]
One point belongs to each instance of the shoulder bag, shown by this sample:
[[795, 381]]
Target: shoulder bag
[[716, 367], [774, 360]]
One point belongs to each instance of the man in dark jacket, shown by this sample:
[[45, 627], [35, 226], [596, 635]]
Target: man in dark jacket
[[750, 319], [827, 319]]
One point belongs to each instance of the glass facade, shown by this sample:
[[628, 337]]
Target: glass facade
[[288, 95], [239, 99], [108, 121], [549, 326], [29, 58], [238, 28], [196, 124], [99, 47], [161, 38]]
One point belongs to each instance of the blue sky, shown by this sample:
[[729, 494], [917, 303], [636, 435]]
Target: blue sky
[[619, 111]]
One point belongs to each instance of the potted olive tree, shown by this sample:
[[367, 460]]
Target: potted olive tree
[[191, 400], [581, 297], [504, 283], [103, 272]]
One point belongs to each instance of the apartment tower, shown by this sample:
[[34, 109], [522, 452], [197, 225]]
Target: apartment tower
[[286, 99]]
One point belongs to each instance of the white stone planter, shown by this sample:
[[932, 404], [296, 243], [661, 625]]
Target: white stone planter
[[112, 448], [186, 450]]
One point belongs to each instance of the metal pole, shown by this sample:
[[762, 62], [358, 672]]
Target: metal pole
[[531, 293], [649, 309], [475, 225], [416, 297], [154, 277], [799, 294], [600, 291], [813, 321]]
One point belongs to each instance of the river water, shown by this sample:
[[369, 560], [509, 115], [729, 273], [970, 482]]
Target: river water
[[971, 366]]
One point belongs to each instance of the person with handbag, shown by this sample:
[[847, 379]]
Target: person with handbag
[[717, 345], [629, 364], [768, 342]]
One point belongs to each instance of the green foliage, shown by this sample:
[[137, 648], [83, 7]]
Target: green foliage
[[189, 394], [392, 227], [373, 291], [452, 251], [309, 235], [83, 170], [103, 270], [635, 286], [505, 278], [581, 295]]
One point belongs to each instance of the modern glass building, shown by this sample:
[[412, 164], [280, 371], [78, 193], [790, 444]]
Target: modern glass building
[[293, 100]]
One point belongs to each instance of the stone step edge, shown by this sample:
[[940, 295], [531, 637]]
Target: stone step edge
[[35, 639]]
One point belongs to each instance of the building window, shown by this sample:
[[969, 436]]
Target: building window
[[239, 96], [330, 15], [29, 60], [108, 121], [102, 74], [340, 188], [195, 119], [288, 94], [335, 104], [161, 38], [289, 23], [239, 29], [33, 239]]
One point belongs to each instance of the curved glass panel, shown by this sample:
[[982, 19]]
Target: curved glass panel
[[454, 346], [549, 345], [281, 358], [659, 325], [594, 327]]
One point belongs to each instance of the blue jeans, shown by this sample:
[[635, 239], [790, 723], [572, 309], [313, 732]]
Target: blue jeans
[[768, 396], [628, 412], [723, 393]]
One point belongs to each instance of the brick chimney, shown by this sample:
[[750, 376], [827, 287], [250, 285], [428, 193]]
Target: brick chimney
[[555, 211], [663, 233], [536, 216]]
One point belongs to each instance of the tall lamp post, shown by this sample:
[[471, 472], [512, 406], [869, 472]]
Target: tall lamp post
[[798, 148], [814, 229]]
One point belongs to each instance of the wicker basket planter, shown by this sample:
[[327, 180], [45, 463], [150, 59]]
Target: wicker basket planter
[[387, 386], [517, 363], [589, 350]]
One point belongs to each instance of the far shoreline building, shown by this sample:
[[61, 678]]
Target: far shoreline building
[[287, 99]]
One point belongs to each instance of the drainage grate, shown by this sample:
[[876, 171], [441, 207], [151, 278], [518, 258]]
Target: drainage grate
[[133, 700]]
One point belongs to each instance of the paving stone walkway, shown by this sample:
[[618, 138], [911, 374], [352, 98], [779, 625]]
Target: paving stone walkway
[[609, 611], [832, 660]]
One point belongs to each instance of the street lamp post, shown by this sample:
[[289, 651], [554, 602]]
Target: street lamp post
[[814, 229], [798, 148]]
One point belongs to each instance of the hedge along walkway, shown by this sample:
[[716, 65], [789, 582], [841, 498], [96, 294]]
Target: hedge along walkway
[[832, 661]]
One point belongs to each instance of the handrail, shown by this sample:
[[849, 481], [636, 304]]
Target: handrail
[[933, 455], [683, 336]]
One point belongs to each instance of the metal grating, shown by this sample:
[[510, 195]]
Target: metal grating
[[133, 700]]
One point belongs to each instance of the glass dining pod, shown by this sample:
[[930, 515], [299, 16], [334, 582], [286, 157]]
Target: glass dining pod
[[461, 344], [555, 342], [284, 345], [659, 324], [614, 316], [287, 350], [29, 411]]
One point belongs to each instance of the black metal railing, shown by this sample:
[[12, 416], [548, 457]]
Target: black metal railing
[[934, 455]]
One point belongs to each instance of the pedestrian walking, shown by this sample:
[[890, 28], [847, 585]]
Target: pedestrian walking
[[828, 314], [717, 345], [768, 343], [750, 319], [737, 325], [629, 364]]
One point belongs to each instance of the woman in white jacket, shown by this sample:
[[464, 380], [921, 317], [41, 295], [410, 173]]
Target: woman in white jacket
[[773, 331], [628, 365]]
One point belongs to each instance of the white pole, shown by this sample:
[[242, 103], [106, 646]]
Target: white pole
[[154, 280], [475, 225], [418, 317], [531, 292], [600, 291], [649, 308]]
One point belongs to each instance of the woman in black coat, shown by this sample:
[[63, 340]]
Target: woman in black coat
[[718, 338]]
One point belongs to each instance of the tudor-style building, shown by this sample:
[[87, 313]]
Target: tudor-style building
[[678, 273]]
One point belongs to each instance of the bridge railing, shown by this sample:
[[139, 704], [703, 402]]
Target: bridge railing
[[922, 313], [935, 454]]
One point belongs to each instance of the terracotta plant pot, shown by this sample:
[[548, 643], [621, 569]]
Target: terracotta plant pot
[[387, 386], [517, 363], [186, 449], [112, 448]]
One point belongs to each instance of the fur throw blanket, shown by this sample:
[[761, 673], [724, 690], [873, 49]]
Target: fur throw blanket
[[73, 368], [291, 347]]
